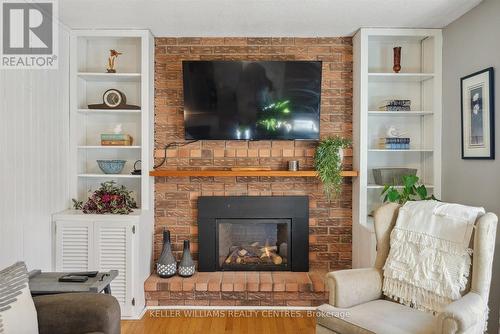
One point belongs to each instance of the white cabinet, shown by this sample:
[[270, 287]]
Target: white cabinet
[[374, 82], [99, 242]]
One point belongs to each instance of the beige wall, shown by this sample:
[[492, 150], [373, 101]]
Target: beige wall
[[472, 43]]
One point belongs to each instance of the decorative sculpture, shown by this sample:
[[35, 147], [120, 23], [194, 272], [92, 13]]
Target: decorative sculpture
[[186, 266], [397, 59], [113, 54], [394, 132], [167, 265]]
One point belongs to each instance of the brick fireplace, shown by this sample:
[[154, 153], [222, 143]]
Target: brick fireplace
[[176, 198]]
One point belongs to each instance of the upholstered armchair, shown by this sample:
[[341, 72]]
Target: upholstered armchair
[[356, 304]]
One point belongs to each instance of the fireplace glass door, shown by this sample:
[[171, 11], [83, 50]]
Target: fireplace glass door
[[253, 244]]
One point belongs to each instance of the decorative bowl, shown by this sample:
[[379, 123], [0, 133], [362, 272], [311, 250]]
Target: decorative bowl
[[111, 166]]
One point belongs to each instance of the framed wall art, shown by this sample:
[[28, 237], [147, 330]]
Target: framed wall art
[[478, 122]]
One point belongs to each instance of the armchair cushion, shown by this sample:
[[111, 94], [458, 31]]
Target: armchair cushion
[[355, 286], [378, 316], [78, 313]]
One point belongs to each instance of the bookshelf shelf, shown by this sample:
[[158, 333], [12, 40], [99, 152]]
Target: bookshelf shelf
[[399, 113], [126, 77], [395, 77], [402, 150], [98, 147], [110, 176], [376, 186], [108, 111]]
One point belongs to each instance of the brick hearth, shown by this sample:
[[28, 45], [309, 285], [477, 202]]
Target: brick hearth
[[238, 289]]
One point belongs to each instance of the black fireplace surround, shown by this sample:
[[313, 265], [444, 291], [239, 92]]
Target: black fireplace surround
[[245, 233]]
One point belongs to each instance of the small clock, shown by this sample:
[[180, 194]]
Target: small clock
[[113, 99]]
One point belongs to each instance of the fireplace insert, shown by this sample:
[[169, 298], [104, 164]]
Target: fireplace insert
[[246, 244], [246, 233]]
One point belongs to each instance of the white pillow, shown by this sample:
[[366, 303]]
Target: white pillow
[[17, 310]]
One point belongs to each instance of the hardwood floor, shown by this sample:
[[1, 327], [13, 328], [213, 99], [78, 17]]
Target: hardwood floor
[[221, 321]]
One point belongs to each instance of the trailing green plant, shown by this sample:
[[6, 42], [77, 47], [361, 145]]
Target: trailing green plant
[[328, 164], [109, 198], [412, 190]]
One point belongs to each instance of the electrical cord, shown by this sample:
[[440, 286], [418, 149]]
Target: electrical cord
[[172, 144]]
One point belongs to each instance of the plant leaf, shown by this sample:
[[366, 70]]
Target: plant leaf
[[422, 192], [386, 187], [410, 180], [393, 195]]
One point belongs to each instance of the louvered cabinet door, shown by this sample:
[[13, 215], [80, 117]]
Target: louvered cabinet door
[[74, 245], [113, 251]]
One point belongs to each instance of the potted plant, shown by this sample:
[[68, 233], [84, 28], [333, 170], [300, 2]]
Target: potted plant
[[109, 198], [328, 164], [411, 190]]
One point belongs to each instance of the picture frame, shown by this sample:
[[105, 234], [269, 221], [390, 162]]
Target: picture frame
[[477, 93]]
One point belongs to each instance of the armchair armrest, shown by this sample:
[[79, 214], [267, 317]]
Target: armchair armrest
[[462, 314], [77, 313], [355, 286]]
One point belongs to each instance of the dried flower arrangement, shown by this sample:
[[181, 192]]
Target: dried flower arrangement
[[109, 198]]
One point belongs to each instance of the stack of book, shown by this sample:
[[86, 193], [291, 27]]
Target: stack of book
[[394, 143], [396, 105], [115, 139]]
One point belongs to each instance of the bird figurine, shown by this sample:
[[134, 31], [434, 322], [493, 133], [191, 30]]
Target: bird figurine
[[113, 54]]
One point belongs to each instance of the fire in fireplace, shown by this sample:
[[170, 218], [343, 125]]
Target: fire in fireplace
[[253, 244], [253, 233]]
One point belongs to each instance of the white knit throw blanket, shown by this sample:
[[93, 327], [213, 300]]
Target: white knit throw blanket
[[429, 259]]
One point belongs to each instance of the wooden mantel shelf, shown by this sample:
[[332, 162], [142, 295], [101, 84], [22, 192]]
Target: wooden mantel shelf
[[226, 173]]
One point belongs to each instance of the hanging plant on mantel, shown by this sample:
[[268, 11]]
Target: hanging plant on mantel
[[328, 164]]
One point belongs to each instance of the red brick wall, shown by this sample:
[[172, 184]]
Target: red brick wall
[[175, 198]]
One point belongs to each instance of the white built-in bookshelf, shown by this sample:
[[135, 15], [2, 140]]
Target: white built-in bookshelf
[[106, 242], [89, 80], [374, 81]]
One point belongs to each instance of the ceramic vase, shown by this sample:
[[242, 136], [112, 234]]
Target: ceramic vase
[[397, 59], [167, 265], [186, 266]]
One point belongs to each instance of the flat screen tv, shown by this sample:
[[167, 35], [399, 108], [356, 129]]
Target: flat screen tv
[[252, 100]]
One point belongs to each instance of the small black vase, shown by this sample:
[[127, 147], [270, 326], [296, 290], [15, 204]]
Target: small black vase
[[186, 266], [166, 266]]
